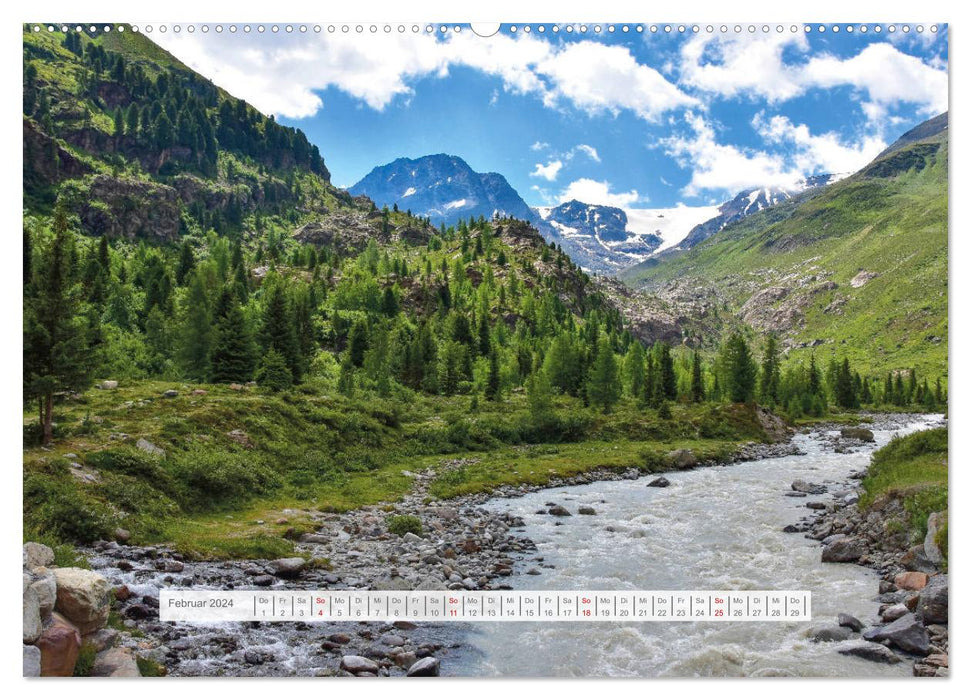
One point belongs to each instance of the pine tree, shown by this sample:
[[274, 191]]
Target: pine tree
[[815, 385], [278, 329], [233, 351], [603, 387], [187, 263], [345, 381], [843, 390], [196, 330], [740, 371], [667, 379], [634, 369], [274, 374], [493, 380], [697, 380], [57, 355], [357, 342], [539, 395], [769, 377]]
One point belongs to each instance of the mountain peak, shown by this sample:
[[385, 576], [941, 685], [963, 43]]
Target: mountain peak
[[444, 188]]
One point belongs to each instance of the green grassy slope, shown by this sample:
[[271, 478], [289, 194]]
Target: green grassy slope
[[888, 220]]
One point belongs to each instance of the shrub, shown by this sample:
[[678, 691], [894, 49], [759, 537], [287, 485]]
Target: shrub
[[210, 478], [403, 524], [85, 663], [273, 373], [63, 511]]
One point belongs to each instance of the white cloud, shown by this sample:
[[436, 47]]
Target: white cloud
[[589, 151], [737, 64], [281, 74], [598, 192], [539, 146], [548, 171], [759, 67], [886, 75], [724, 167], [599, 78], [822, 153]]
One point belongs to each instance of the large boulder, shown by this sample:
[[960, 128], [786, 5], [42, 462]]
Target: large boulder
[[36, 554], [842, 549], [682, 459], [289, 567], [45, 586], [931, 550], [832, 634], [358, 664], [82, 597], [59, 646], [847, 620], [660, 483], [932, 603], [862, 434], [910, 580], [559, 511], [116, 662], [32, 620], [31, 661], [906, 633], [869, 651], [429, 666]]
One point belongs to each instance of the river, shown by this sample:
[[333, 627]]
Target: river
[[714, 528]]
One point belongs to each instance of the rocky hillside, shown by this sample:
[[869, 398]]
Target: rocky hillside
[[857, 268], [142, 148]]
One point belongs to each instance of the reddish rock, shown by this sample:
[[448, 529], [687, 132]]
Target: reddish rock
[[910, 580], [122, 593], [59, 646]]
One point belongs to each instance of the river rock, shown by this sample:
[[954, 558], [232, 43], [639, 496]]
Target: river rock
[[931, 550], [32, 620], [116, 662], [906, 633], [842, 549], [36, 554], [862, 434], [429, 666], [869, 651], [108, 384], [847, 620], [682, 459], [894, 612], [59, 646], [45, 586], [314, 538], [586, 510], [559, 511], [660, 482], [122, 535], [31, 661], [933, 601], [82, 596], [914, 559], [832, 634], [102, 639], [358, 664], [289, 567], [910, 580], [802, 486]]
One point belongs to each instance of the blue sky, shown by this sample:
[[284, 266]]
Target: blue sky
[[624, 118]]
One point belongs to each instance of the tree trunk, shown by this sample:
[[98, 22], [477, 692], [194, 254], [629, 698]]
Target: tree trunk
[[48, 421]]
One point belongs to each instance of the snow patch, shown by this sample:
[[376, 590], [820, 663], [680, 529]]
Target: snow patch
[[408, 192], [671, 224]]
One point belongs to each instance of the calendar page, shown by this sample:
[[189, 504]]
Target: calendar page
[[545, 349]]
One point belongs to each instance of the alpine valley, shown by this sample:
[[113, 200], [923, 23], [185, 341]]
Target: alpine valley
[[238, 375]]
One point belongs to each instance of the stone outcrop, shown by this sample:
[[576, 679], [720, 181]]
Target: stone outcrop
[[82, 596]]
